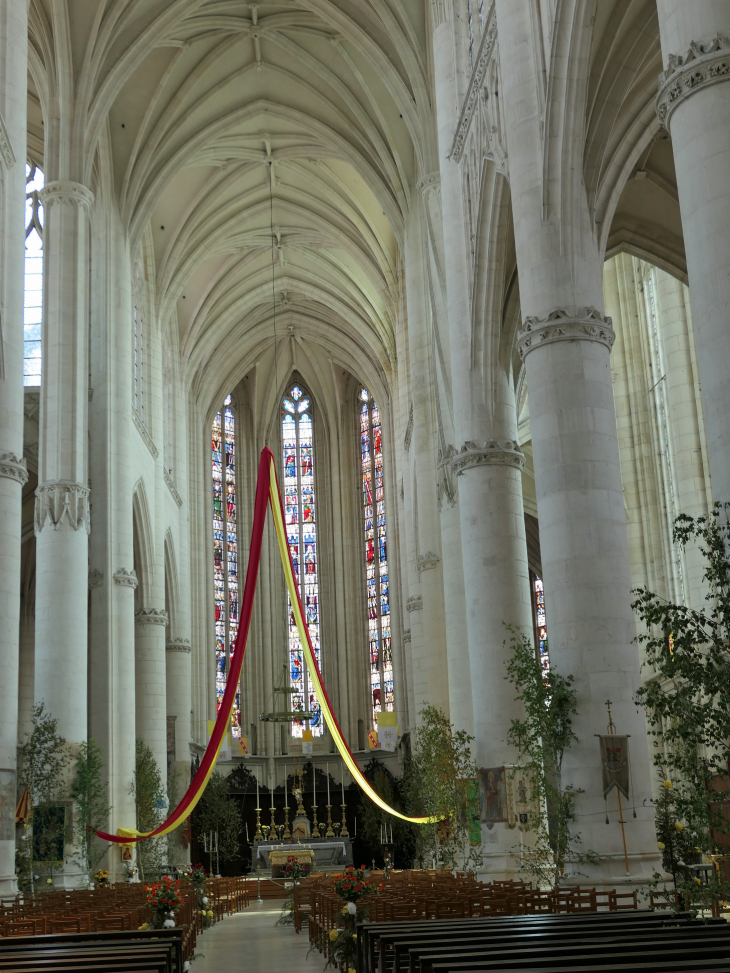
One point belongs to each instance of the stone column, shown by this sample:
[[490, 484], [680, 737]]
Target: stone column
[[566, 343], [488, 462], [178, 668], [150, 675], [694, 105], [13, 472]]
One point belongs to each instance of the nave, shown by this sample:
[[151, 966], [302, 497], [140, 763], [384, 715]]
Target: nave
[[248, 941]]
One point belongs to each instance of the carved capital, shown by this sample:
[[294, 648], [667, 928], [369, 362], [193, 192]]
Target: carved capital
[[151, 616], [440, 12], [571, 324], [67, 192], [492, 453], [427, 561], [407, 635], [62, 506], [178, 645], [13, 467], [704, 64], [429, 184], [7, 156], [96, 578], [414, 604], [127, 579]]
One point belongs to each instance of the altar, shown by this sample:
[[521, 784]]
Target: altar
[[318, 854]]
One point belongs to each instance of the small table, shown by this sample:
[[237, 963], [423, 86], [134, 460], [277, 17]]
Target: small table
[[321, 855]]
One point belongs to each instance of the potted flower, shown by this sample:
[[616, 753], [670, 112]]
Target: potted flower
[[101, 877], [354, 888], [164, 898]]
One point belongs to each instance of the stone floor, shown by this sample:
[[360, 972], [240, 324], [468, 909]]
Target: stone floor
[[250, 942]]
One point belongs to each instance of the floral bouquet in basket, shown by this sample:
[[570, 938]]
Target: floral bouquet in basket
[[293, 869], [165, 898], [101, 876], [353, 887]]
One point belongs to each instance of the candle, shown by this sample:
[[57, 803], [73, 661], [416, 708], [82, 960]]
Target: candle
[[272, 789], [355, 825], [257, 789], [343, 782], [247, 838], [327, 771], [314, 784]]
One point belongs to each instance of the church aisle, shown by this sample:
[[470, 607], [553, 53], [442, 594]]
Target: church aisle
[[249, 941]]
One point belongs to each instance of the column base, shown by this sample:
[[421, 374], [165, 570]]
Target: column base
[[8, 886], [72, 877], [611, 871]]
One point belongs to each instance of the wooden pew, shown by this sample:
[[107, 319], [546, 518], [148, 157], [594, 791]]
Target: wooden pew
[[95, 951]]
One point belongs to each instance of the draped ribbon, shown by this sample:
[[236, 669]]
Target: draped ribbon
[[267, 492]]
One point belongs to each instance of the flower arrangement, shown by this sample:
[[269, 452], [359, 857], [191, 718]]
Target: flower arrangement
[[207, 915], [164, 898], [353, 887], [293, 869], [101, 876]]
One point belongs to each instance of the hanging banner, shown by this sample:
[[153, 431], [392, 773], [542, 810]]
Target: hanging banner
[[387, 731], [615, 760], [267, 493]]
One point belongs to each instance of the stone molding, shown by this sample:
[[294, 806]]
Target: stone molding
[[14, 467], [446, 487], [476, 84], [96, 578], [178, 645], [151, 616], [414, 604], [572, 324], [429, 184], [491, 453], [172, 488], [60, 505], [440, 12], [142, 430], [7, 156], [409, 432], [427, 561], [67, 192], [704, 64], [407, 635], [127, 579]]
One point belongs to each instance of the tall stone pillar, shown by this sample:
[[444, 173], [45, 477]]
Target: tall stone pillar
[[178, 670], [430, 671], [694, 105], [150, 676], [566, 343], [488, 462], [13, 472]]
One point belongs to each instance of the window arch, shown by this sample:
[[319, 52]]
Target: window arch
[[33, 282], [225, 552], [376, 558], [297, 434]]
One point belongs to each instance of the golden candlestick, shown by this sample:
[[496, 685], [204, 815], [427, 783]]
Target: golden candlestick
[[273, 824], [287, 832], [344, 833], [259, 834], [315, 825], [329, 833]]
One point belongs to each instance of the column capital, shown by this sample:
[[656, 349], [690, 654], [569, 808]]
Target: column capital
[[705, 63], [178, 645], [429, 184], [13, 467], [151, 616], [406, 637], [565, 324], [63, 506], [127, 579], [492, 453], [67, 192], [427, 561], [414, 604]]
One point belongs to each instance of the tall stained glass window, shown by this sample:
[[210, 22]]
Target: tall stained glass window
[[225, 552], [33, 303], [540, 626], [301, 529], [376, 558]]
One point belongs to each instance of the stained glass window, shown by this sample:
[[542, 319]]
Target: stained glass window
[[376, 558], [541, 627], [301, 528], [33, 297], [225, 552]]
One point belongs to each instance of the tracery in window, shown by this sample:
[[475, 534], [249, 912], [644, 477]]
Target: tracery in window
[[376, 558], [33, 287], [225, 553], [301, 527], [540, 625]]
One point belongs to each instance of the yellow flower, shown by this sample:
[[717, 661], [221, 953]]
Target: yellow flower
[[145, 925], [210, 913], [697, 849], [668, 785], [333, 935], [660, 845], [679, 826], [698, 881], [344, 910], [351, 969]]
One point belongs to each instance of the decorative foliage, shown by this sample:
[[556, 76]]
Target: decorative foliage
[[437, 777], [686, 705], [541, 739], [92, 807], [101, 876], [218, 811], [164, 897], [353, 887], [371, 820], [149, 798], [293, 869]]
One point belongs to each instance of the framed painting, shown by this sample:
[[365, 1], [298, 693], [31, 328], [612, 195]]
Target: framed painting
[[493, 794], [7, 805]]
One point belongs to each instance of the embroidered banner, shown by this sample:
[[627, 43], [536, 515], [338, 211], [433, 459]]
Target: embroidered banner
[[267, 493], [615, 760]]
